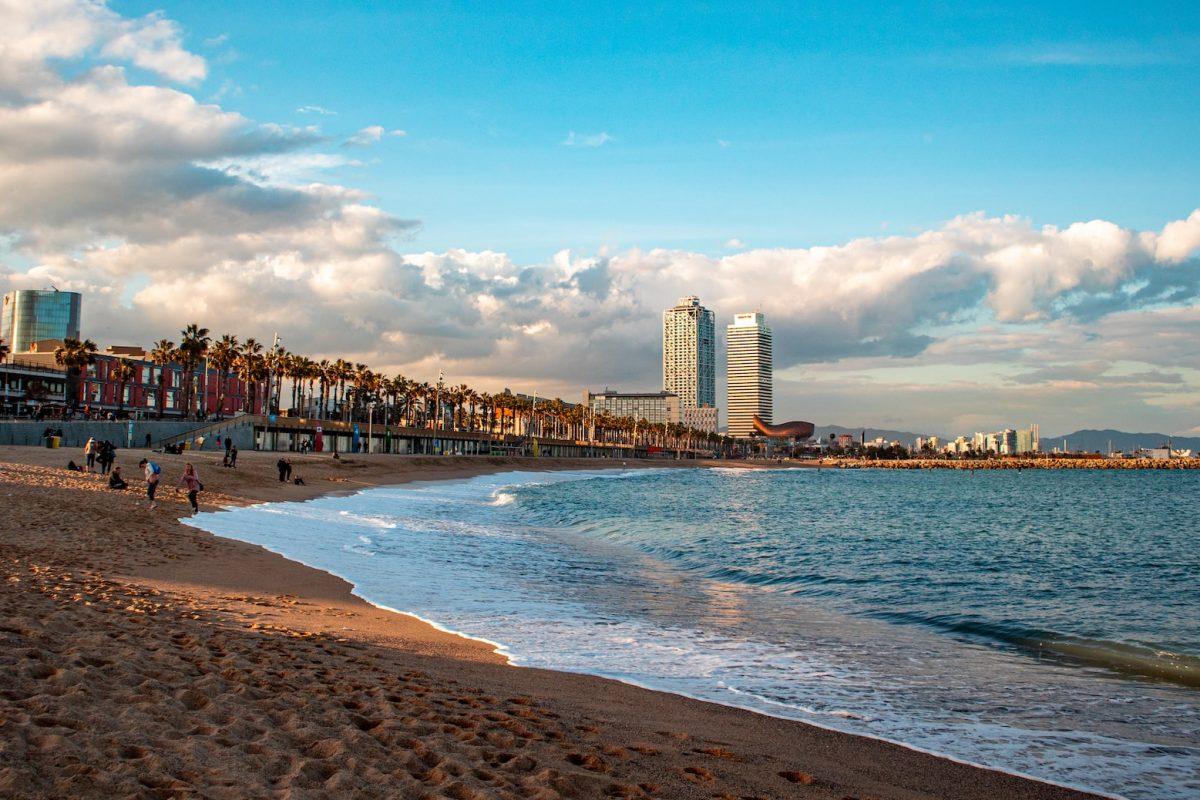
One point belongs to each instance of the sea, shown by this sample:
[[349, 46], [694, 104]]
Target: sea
[[1041, 622]]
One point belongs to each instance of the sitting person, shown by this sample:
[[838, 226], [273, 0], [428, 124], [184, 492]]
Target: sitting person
[[73, 467], [298, 481], [115, 481]]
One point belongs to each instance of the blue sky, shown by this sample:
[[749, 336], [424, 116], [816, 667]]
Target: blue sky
[[954, 218], [773, 126]]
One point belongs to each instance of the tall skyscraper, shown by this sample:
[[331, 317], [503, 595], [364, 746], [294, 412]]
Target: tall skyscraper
[[32, 315], [690, 353], [749, 373]]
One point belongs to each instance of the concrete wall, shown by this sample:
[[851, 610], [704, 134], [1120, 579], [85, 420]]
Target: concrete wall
[[241, 434], [76, 433]]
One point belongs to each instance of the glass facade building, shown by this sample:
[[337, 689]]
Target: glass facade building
[[31, 315]]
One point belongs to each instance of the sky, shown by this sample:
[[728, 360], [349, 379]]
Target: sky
[[954, 217]]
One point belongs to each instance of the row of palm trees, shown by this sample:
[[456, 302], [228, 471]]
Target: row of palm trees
[[347, 391]]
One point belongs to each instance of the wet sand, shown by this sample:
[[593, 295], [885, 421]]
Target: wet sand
[[143, 658]]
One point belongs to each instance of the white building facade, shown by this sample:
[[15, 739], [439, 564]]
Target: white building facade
[[690, 353], [749, 372], [655, 407]]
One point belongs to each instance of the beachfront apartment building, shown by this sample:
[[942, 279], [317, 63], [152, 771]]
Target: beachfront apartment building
[[690, 353], [32, 315], [749, 373], [26, 387], [655, 407], [101, 388]]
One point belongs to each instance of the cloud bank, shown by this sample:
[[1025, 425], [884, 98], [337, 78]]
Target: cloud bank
[[165, 210]]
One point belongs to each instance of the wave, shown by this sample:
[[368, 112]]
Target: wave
[[1125, 658], [371, 520]]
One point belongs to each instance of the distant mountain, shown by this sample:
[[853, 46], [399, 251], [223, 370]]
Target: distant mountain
[[1092, 440], [907, 437]]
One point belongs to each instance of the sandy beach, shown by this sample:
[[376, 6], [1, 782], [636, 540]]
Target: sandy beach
[[143, 658]]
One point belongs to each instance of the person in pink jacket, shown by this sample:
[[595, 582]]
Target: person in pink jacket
[[191, 483]]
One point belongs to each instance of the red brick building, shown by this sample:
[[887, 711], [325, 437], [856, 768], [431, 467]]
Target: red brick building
[[101, 390]]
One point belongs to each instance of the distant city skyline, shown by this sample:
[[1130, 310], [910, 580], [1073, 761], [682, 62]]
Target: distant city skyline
[[952, 218]]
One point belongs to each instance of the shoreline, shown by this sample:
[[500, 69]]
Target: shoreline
[[1167, 464], [586, 735], [501, 650]]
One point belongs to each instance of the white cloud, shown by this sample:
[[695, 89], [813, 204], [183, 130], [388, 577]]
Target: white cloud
[[153, 43], [320, 110], [33, 33], [1179, 240], [366, 136], [587, 139], [734, 244]]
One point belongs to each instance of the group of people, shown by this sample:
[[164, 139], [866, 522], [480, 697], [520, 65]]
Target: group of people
[[52, 431], [189, 482], [99, 454], [284, 465]]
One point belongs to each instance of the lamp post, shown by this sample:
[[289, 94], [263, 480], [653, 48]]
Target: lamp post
[[370, 424], [271, 373], [533, 416], [437, 403]]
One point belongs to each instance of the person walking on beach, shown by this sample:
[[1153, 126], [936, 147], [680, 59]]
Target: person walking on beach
[[153, 472], [89, 450], [228, 445], [285, 469], [108, 454], [233, 457], [191, 483]]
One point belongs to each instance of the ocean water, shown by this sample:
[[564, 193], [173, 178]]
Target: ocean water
[[1042, 622]]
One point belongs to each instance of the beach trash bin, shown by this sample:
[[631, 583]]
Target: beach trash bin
[[53, 442]]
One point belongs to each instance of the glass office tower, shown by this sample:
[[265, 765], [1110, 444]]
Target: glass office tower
[[31, 315]]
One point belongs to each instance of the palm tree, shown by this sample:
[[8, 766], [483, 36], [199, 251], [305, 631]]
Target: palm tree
[[163, 355], [125, 372], [273, 362], [344, 373], [221, 356], [251, 369], [324, 379], [76, 356], [361, 379], [193, 345], [312, 371], [297, 372]]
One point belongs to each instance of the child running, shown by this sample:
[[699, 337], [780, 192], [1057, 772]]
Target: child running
[[191, 482], [153, 472]]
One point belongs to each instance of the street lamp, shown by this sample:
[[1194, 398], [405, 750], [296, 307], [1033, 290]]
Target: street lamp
[[370, 423]]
